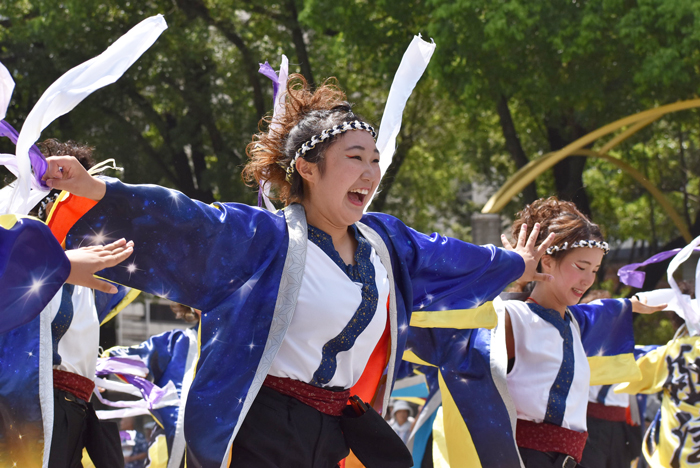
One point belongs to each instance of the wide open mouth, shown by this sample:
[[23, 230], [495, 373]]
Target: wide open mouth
[[357, 196]]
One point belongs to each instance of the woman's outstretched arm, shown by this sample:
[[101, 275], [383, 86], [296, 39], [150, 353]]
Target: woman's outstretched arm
[[187, 251]]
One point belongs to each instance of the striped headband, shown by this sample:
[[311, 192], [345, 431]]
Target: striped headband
[[323, 136], [580, 243]]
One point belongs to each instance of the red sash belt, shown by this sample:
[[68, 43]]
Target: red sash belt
[[546, 437], [326, 401], [608, 413], [78, 385]]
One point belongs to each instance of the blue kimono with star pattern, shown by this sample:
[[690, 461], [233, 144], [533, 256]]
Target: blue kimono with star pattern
[[243, 266], [471, 365], [33, 267]]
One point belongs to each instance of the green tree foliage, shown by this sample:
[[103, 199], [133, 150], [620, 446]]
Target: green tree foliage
[[509, 81], [559, 70]]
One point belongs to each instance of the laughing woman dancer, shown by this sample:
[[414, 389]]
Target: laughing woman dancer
[[556, 348], [304, 307]]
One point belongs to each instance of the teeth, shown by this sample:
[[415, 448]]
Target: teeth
[[362, 191]]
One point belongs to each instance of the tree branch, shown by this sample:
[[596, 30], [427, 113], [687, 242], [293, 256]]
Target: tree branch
[[197, 9], [299, 43], [513, 145]]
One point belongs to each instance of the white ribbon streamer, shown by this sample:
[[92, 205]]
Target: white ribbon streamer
[[132, 407], [71, 88], [7, 85], [277, 112], [281, 97], [413, 64], [121, 413], [35, 195], [691, 311], [121, 387]]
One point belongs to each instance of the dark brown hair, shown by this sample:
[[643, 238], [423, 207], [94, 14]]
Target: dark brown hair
[[83, 153], [560, 217], [306, 113], [53, 147]]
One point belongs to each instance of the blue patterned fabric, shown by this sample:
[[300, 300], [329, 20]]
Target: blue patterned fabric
[[227, 260], [33, 267], [61, 322], [606, 326], [20, 359], [556, 404], [362, 272], [465, 360]]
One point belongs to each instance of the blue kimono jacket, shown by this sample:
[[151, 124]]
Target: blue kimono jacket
[[33, 268], [170, 357], [479, 416], [243, 267]]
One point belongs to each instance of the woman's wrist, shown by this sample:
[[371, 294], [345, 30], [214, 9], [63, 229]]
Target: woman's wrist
[[97, 189]]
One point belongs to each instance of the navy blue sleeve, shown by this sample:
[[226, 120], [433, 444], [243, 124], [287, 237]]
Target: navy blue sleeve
[[606, 326], [33, 267], [185, 250], [447, 273]]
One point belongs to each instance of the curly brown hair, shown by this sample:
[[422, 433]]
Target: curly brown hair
[[306, 113], [83, 153], [54, 147], [557, 216]]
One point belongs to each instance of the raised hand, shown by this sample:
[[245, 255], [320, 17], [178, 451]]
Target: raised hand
[[639, 305], [87, 261], [66, 173], [530, 252]]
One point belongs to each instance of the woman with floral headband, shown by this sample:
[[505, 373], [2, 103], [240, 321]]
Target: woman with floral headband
[[556, 347], [304, 307]]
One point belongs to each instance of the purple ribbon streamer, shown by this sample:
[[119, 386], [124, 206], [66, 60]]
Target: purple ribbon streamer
[[118, 365], [35, 155], [151, 392], [267, 70], [633, 278]]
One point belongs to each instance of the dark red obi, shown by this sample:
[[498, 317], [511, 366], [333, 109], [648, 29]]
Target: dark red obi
[[326, 401], [79, 386], [545, 437], [608, 413]]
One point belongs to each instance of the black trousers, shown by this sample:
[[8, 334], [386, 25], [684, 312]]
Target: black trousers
[[76, 426], [281, 432], [611, 444], [536, 459]]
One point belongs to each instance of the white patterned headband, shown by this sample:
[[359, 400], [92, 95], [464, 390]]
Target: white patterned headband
[[325, 135], [580, 243]]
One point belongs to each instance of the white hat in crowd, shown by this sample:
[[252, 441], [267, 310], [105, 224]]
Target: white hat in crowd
[[402, 405]]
